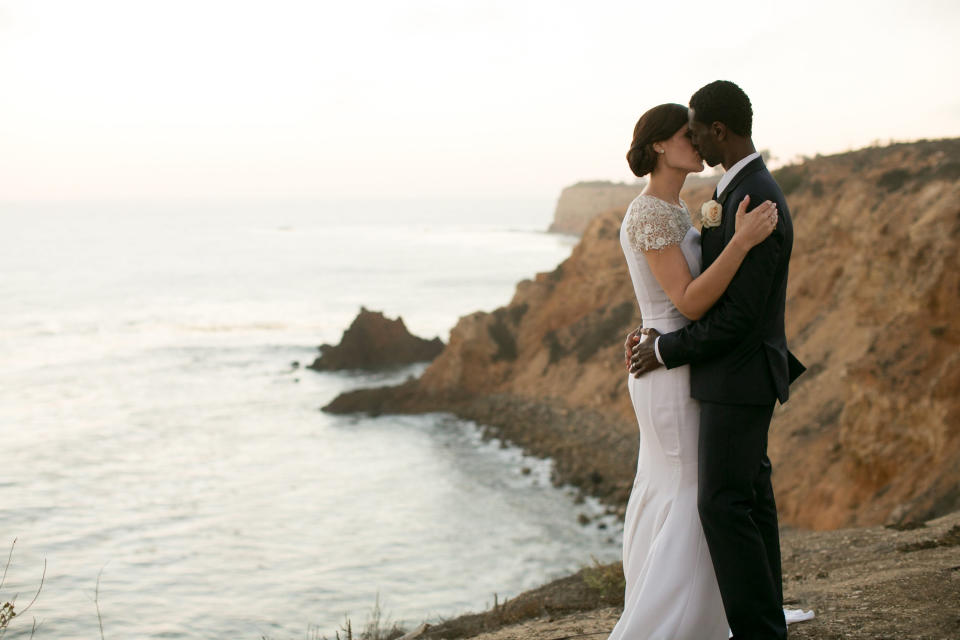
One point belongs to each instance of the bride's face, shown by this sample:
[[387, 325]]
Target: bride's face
[[678, 152]]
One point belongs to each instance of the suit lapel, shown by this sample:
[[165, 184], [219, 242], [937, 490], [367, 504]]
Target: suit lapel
[[729, 225], [751, 168], [712, 241]]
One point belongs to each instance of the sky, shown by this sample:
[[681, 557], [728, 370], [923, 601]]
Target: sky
[[117, 99]]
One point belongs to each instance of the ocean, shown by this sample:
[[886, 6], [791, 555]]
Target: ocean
[[158, 438]]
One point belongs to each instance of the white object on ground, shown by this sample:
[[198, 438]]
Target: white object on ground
[[797, 615], [791, 615]]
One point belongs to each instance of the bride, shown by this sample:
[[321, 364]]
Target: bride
[[671, 589]]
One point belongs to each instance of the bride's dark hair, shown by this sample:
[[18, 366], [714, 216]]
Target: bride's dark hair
[[656, 125]]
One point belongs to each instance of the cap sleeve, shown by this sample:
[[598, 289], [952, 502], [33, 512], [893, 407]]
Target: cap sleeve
[[653, 224]]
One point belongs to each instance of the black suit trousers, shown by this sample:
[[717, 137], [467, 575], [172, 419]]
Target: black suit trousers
[[739, 517]]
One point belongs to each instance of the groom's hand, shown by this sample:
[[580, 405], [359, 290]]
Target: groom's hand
[[644, 358], [632, 338]]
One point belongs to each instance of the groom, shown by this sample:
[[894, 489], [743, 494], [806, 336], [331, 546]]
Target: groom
[[739, 368]]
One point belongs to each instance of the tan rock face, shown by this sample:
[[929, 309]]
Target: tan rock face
[[552, 341], [871, 432]]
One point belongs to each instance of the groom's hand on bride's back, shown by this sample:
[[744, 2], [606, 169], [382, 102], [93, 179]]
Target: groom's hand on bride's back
[[632, 338], [644, 356]]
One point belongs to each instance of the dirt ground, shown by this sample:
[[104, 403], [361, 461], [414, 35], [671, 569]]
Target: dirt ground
[[863, 584]]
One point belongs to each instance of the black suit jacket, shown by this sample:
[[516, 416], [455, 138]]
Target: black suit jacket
[[737, 351]]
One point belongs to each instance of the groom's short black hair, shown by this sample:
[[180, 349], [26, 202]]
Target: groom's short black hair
[[723, 101]]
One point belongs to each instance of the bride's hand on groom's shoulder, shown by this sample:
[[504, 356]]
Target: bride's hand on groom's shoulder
[[754, 227], [644, 358]]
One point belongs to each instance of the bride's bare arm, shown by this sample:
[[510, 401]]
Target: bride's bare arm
[[694, 296]]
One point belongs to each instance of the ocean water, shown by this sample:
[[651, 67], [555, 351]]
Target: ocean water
[[157, 435]]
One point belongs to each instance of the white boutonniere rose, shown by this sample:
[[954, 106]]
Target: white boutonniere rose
[[710, 214]]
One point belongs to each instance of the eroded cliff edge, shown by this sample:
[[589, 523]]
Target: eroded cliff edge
[[580, 203], [871, 433]]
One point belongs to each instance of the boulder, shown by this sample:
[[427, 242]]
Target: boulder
[[374, 341]]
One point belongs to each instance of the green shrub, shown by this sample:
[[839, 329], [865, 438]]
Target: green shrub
[[893, 179], [502, 336], [789, 178], [607, 579]]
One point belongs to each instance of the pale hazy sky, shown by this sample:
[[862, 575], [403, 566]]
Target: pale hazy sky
[[184, 98]]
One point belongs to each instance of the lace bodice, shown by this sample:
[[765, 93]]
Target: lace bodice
[[654, 224], [651, 223]]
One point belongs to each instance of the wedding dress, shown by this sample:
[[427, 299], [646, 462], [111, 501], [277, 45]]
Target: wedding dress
[[671, 589]]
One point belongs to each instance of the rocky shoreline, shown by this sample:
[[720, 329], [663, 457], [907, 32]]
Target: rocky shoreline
[[590, 452]]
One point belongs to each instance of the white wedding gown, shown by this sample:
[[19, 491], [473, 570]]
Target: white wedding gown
[[671, 589]]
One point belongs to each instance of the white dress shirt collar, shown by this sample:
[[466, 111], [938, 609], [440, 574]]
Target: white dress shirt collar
[[731, 173]]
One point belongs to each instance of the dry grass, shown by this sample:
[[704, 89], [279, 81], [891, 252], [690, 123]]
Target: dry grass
[[8, 609], [377, 627]]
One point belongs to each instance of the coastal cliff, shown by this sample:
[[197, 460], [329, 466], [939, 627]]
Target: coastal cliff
[[580, 203], [871, 433]]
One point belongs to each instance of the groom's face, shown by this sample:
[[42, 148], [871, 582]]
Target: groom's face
[[703, 140]]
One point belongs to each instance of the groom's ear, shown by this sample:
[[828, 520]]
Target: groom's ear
[[719, 131]]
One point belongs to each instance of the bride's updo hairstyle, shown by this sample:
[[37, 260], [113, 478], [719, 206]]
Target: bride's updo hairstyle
[[656, 125]]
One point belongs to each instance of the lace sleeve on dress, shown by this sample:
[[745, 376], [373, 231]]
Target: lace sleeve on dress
[[655, 225]]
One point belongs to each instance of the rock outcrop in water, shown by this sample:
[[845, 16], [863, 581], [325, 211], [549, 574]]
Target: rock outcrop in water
[[871, 433], [374, 341]]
